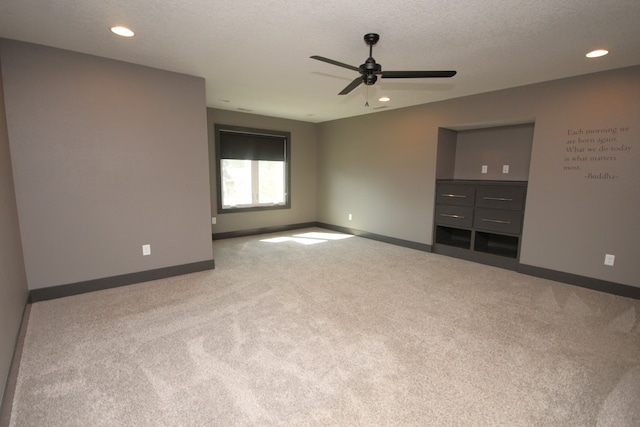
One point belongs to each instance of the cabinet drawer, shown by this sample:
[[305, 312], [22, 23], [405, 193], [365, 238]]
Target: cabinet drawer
[[455, 194], [500, 197], [461, 216], [499, 221]]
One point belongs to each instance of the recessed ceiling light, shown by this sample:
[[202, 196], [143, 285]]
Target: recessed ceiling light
[[384, 99], [122, 31], [597, 53]]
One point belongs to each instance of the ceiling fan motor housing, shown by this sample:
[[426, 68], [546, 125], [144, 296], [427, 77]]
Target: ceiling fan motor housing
[[369, 70]]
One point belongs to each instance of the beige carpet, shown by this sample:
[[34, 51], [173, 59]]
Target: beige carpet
[[318, 330]]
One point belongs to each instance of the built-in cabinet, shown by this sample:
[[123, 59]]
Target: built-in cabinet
[[481, 187], [480, 220]]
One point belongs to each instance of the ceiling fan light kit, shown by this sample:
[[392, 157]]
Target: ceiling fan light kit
[[370, 70]]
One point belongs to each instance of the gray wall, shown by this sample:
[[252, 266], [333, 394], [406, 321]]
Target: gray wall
[[304, 138], [13, 281], [381, 168], [107, 156]]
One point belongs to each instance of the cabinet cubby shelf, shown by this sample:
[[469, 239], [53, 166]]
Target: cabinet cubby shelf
[[496, 244], [457, 237]]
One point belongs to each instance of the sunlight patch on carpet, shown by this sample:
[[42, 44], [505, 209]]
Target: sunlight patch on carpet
[[310, 238]]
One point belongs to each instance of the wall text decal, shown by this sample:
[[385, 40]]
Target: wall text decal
[[594, 151]]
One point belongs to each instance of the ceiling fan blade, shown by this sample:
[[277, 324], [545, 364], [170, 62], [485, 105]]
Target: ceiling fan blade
[[331, 61], [354, 84], [415, 74]]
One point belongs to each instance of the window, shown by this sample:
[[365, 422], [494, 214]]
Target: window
[[254, 169]]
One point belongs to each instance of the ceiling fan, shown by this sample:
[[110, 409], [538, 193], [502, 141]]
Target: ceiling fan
[[370, 70]]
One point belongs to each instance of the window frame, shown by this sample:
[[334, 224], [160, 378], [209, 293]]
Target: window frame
[[286, 136]]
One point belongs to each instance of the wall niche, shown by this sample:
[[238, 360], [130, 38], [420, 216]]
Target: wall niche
[[481, 183], [463, 151]]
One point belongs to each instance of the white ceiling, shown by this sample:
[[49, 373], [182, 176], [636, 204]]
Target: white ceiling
[[254, 54]]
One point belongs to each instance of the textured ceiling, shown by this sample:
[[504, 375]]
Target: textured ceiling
[[254, 55]]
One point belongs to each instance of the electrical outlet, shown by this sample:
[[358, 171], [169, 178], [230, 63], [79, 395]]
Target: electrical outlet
[[484, 168], [609, 260], [505, 168], [146, 250], [213, 220], [350, 217]]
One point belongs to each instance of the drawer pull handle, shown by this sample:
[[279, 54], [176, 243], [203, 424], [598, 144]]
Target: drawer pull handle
[[454, 195], [497, 221], [500, 199], [452, 216]]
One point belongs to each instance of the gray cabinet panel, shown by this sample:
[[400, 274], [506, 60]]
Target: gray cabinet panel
[[500, 197], [498, 220], [455, 194], [461, 216]]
